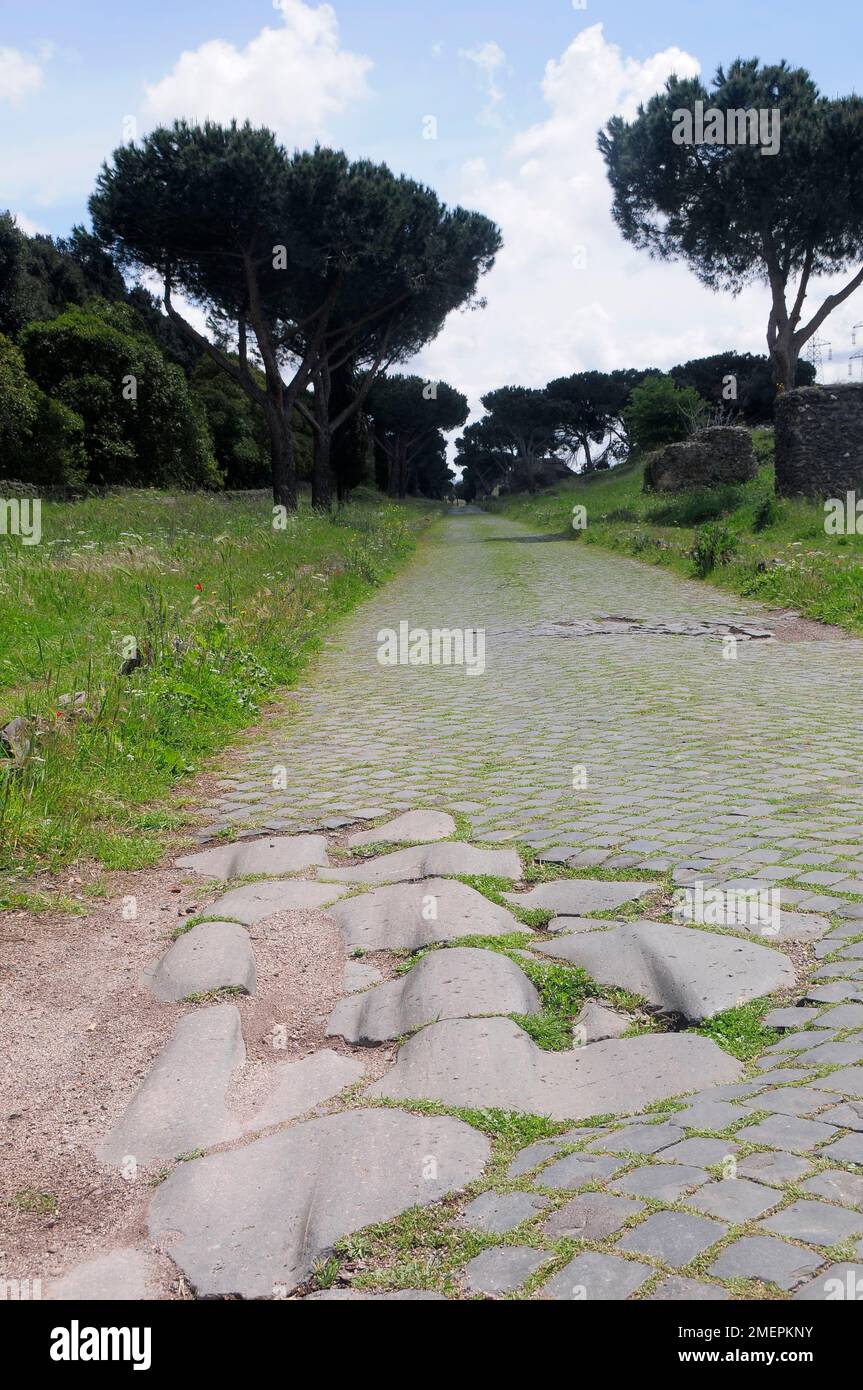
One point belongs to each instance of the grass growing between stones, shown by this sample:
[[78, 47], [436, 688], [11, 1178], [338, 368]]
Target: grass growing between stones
[[741, 1030], [223, 610], [735, 537]]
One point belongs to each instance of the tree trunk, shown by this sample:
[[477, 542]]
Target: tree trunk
[[783, 360], [402, 455], [322, 475], [279, 424]]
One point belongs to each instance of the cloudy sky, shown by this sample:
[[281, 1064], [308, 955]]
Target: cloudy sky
[[513, 93]]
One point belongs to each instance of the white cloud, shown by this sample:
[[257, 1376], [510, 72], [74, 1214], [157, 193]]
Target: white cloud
[[19, 76], [292, 78], [550, 196], [488, 59], [28, 226]]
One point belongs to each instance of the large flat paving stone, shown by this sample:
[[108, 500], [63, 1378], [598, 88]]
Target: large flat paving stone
[[766, 1258], [503, 1268], [408, 916], [665, 1182], [734, 1199], [124, 1275], [299, 1086], [425, 826], [815, 1222], [572, 897], [495, 1213], [680, 969], [280, 854], [422, 861], [674, 1237], [460, 982], [836, 1284], [678, 1289], [254, 902], [180, 1104], [590, 1216], [592, 1276], [213, 955], [493, 1062], [261, 1216], [790, 1132]]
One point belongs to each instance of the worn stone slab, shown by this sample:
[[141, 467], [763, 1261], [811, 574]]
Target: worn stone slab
[[408, 916], [590, 1216], [789, 1132], [180, 1104], [676, 1289], [299, 1086], [849, 1115], [541, 1150], [503, 1268], [577, 1169], [495, 1213], [837, 1284], [734, 1199], [424, 826], [776, 1168], [360, 976], [254, 902], [261, 1216], [679, 969], [592, 1277], [596, 1022], [424, 861], [766, 1258], [789, 1100], [566, 925], [787, 1020], [124, 1275], [700, 1151], [493, 1062], [665, 1182], [640, 1139], [573, 897], [280, 854], [847, 1082], [793, 926], [704, 1113], [818, 1223], [843, 1016], [213, 955], [846, 1150], [459, 982], [837, 1185], [674, 1237]]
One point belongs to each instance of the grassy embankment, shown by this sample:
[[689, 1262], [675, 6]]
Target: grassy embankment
[[741, 538], [227, 611]]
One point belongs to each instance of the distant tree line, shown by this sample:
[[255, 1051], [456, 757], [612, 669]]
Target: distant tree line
[[530, 437], [316, 276]]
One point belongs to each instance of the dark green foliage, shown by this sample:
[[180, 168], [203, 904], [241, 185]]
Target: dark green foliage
[[41, 440], [753, 379], [141, 426], [736, 215], [660, 412]]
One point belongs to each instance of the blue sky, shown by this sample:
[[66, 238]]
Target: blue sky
[[517, 92]]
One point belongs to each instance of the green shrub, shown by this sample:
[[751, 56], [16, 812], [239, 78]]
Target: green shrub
[[141, 426], [660, 412], [41, 441], [714, 544]]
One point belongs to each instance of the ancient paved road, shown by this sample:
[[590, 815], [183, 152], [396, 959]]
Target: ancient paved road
[[672, 736], [722, 765]]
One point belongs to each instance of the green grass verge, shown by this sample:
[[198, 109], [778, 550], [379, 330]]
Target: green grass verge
[[735, 537], [228, 611]]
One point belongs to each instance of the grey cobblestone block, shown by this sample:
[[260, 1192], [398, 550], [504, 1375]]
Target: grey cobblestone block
[[765, 1258], [592, 1277], [674, 1237]]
